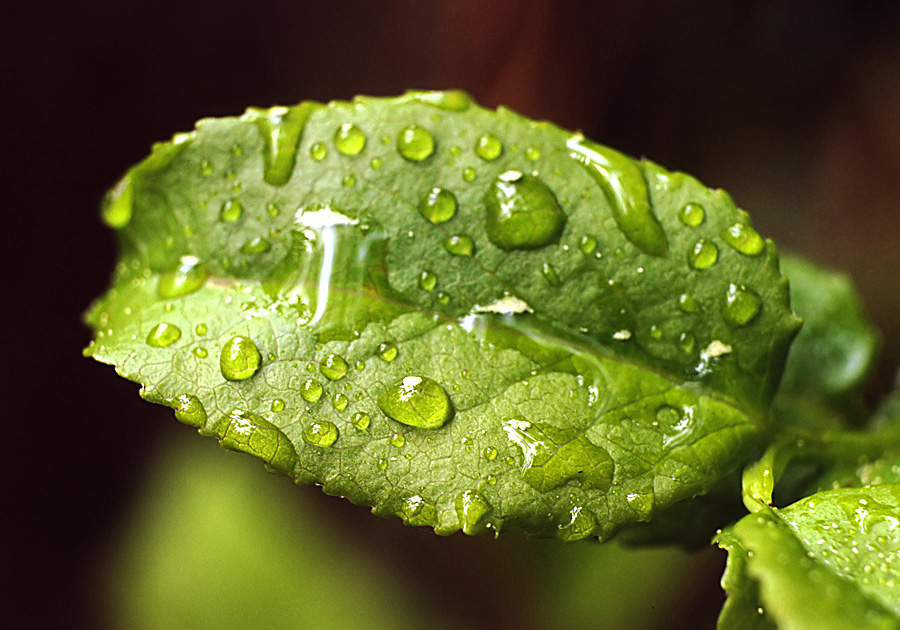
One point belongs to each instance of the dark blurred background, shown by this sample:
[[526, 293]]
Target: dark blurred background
[[793, 107]]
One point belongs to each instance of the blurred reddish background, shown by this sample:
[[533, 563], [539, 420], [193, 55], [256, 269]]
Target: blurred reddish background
[[792, 107]]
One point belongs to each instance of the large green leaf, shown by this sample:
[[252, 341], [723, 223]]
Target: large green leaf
[[457, 316]]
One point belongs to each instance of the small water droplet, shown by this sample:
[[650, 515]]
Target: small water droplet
[[318, 151], [200, 329], [469, 174], [240, 359], [703, 255], [311, 390], [277, 405], [532, 153], [744, 239], [471, 508], [256, 245], [438, 206], [189, 276], [200, 352], [190, 411], [415, 143], [334, 367], [349, 139], [206, 168], [382, 464], [459, 245], [118, 204], [443, 298], [416, 401], [387, 352], [376, 163], [587, 244], [490, 453], [686, 342], [340, 402], [581, 525], [741, 305], [231, 211], [163, 334], [360, 420], [692, 214], [687, 303], [398, 440], [427, 281], [488, 147], [273, 210], [320, 433], [349, 181], [522, 212], [550, 275]]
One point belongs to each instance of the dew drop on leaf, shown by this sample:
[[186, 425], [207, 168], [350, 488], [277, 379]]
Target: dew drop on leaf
[[415, 143], [200, 329], [587, 244], [339, 401], [490, 453], [387, 352], [488, 147], [360, 420], [416, 401], [375, 163], [231, 211], [250, 433], [190, 411], [320, 433], [189, 276], [438, 206], [581, 525], [200, 352], [273, 210], [744, 239], [281, 129], [256, 245], [349, 139], [277, 405], [532, 153], [550, 275], [741, 305], [687, 303], [471, 508], [398, 440], [469, 174], [703, 255], [240, 359], [686, 342], [163, 334], [318, 151], [692, 214], [311, 390], [118, 204], [522, 212], [459, 245], [334, 367], [427, 281]]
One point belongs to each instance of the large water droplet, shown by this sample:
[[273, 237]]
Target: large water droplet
[[281, 129], [311, 390], [187, 278], [118, 204], [625, 188], [249, 433], [488, 147], [438, 206], [703, 255], [692, 214], [744, 239], [231, 211], [460, 245], [334, 367], [416, 401], [190, 411], [163, 334], [240, 359], [741, 305], [349, 139], [415, 144], [471, 508], [320, 433], [522, 212]]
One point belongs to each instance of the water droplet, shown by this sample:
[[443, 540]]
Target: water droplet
[[240, 359], [550, 275], [443, 298], [200, 329], [118, 204], [231, 211], [488, 147], [163, 334], [349, 181], [416, 511], [622, 335], [459, 245], [448, 100], [273, 210], [187, 278], [692, 214], [469, 174], [490, 453], [686, 342], [320, 433], [349, 139], [703, 255], [206, 168], [360, 366], [334, 367], [253, 434], [200, 352], [360, 420], [190, 411], [277, 405], [741, 305], [416, 401], [387, 352], [398, 440], [532, 153], [382, 464], [587, 244], [522, 212], [311, 390], [640, 502], [375, 163], [438, 206], [427, 281], [623, 183], [414, 143], [471, 508], [318, 151], [256, 245], [340, 402], [744, 239], [281, 129], [687, 303]]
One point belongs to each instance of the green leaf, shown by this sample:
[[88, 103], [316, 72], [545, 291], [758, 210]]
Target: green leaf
[[457, 316], [828, 561]]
